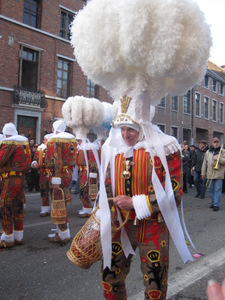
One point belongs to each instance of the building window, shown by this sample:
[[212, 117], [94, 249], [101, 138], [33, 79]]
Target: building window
[[92, 89], [64, 74], [29, 69], [214, 110], [221, 112], [66, 20], [174, 131], [32, 13], [214, 85], [187, 103], [174, 103], [197, 105], [206, 81], [161, 127], [162, 102], [206, 108], [221, 89]]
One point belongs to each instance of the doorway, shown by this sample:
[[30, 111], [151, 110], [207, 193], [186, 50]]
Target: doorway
[[27, 126]]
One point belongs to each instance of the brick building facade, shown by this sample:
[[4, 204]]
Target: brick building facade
[[38, 72], [200, 113], [38, 68]]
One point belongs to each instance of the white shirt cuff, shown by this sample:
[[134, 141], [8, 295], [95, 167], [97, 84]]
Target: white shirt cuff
[[141, 207], [56, 180]]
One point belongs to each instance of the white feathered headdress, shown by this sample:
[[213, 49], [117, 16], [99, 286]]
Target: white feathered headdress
[[82, 114], [135, 47]]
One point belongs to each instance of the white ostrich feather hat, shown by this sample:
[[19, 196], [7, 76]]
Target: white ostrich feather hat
[[135, 47], [82, 114]]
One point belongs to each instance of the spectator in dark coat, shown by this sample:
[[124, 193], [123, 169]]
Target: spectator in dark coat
[[192, 153], [33, 175], [184, 157], [200, 183]]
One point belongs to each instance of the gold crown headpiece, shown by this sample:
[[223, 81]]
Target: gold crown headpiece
[[123, 118], [125, 101]]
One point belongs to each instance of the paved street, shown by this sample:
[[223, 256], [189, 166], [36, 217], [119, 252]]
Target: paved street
[[41, 270]]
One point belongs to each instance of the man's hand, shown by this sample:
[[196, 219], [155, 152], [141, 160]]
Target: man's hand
[[123, 202], [215, 157]]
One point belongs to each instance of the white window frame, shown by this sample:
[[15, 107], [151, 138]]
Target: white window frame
[[208, 81], [171, 100], [216, 112], [221, 85], [199, 115], [188, 101], [214, 86], [171, 131], [161, 124], [208, 117], [162, 106], [221, 115]]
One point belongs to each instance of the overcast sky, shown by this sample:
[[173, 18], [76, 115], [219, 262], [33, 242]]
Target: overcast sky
[[215, 15]]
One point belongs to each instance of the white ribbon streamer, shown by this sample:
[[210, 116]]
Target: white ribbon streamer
[[185, 228], [166, 201]]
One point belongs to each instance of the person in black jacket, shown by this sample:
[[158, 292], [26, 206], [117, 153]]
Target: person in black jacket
[[185, 158], [192, 154], [200, 183]]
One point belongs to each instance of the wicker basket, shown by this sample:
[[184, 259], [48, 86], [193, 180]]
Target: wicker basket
[[93, 188], [86, 246], [58, 208]]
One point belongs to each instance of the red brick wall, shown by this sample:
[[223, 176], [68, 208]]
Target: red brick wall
[[51, 47]]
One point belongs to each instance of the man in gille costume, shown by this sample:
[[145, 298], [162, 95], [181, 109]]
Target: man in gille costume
[[15, 160], [140, 51], [82, 114], [45, 176], [60, 157]]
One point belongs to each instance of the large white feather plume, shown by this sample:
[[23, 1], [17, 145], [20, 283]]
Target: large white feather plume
[[82, 114], [149, 46]]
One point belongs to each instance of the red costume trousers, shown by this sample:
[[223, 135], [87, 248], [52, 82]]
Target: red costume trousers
[[44, 189], [84, 189], [152, 239], [12, 200]]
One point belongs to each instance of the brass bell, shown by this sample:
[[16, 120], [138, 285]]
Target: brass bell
[[126, 174]]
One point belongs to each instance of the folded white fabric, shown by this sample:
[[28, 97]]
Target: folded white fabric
[[141, 206]]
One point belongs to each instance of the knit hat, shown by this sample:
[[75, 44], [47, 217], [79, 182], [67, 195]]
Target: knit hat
[[203, 142], [9, 129], [215, 139], [59, 126]]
